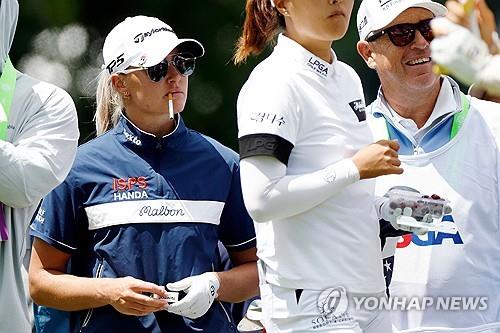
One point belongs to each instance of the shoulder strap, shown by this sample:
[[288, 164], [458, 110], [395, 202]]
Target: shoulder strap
[[459, 117], [7, 88], [379, 128]]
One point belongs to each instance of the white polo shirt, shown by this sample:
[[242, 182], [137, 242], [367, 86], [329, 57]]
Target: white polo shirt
[[318, 110]]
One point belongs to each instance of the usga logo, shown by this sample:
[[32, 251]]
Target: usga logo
[[318, 66], [432, 238]]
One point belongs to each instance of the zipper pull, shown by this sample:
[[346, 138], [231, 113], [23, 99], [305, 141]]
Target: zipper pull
[[418, 150], [158, 145]]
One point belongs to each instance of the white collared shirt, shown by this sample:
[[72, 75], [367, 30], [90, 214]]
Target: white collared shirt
[[447, 103]]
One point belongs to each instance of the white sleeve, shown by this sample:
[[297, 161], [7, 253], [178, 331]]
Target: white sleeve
[[270, 194], [42, 152], [268, 106], [9, 10], [489, 77]]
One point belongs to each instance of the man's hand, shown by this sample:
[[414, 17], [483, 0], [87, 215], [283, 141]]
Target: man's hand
[[201, 291]]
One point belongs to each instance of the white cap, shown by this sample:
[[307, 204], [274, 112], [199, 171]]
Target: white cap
[[374, 15], [143, 41]]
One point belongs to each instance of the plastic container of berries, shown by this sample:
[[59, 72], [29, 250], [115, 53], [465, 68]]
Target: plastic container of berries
[[413, 209]]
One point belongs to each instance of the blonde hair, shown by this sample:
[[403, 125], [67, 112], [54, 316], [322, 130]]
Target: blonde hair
[[109, 104], [262, 24]]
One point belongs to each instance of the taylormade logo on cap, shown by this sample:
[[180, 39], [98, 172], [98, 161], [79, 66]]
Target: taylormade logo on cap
[[374, 15], [143, 41], [140, 37]]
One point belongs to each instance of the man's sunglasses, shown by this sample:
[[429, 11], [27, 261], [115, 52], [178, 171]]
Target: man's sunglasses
[[403, 34], [184, 63]]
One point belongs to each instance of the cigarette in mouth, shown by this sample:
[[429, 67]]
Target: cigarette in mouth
[[170, 106]]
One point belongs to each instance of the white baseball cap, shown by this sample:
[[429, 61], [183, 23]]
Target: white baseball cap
[[143, 41], [374, 15]]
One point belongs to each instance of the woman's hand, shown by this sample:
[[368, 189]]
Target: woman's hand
[[130, 296], [379, 158]]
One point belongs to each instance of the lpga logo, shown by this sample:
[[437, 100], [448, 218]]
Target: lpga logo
[[332, 305]]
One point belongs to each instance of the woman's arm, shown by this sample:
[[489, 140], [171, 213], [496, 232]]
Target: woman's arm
[[269, 193], [51, 286], [241, 282]]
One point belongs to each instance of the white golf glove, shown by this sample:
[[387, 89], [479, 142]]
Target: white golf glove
[[391, 209], [391, 215], [489, 78], [464, 55], [201, 291]]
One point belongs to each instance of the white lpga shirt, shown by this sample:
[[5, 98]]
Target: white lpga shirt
[[318, 110]]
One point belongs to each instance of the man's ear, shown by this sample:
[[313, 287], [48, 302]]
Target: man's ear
[[366, 53]]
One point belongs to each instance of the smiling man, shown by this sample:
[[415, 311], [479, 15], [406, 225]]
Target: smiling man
[[449, 145]]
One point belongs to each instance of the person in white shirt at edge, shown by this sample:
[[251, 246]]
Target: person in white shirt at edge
[[38, 139], [467, 45], [450, 36], [449, 145], [307, 169]]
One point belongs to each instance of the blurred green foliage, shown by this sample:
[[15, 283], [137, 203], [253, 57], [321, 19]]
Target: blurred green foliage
[[214, 87]]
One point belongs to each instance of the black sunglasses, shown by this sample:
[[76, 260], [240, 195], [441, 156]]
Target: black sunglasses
[[184, 63], [403, 34]]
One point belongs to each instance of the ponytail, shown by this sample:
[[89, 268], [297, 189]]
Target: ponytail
[[262, 23], [109, 104]]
